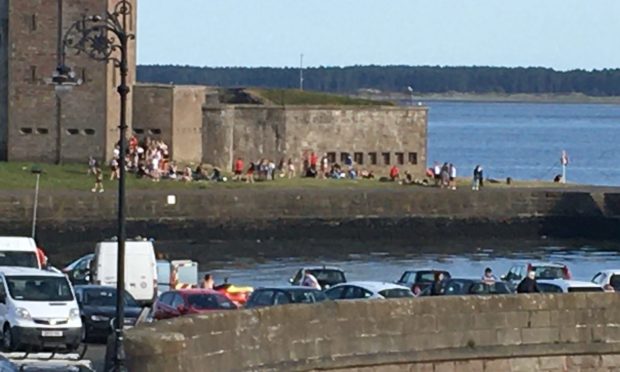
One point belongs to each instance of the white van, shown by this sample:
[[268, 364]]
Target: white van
[[18, 251], [140, 268], [38, 310]]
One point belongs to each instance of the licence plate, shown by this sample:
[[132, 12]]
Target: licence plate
[[51, 333]]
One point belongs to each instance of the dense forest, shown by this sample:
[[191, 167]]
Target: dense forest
[[424, 79]]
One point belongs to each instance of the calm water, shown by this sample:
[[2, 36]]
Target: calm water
[[525, 141], [583, 260]]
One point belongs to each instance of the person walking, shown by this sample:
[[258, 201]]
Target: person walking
[[291, 169], [437, 173], [476, 181], [98, 180], [238, 169], [437, 288], [452, 169], [528, 284]]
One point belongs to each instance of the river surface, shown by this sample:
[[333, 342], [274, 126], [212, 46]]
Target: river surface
[[387, 262], [525, 140]]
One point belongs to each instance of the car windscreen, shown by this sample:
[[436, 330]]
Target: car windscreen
[[328, 276], [39, 288], [306, 297], [585, 289], [547, 272], [615, 282], [396, 293], [19, 259], [203, 301], [105, 297]]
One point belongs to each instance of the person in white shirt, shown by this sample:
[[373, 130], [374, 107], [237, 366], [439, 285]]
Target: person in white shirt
[[452, 176], [310, 280]]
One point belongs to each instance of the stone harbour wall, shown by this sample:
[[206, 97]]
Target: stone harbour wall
[[497, 333]]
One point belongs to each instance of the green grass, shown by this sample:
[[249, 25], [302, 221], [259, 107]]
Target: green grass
[[298, 97], [18, 176]]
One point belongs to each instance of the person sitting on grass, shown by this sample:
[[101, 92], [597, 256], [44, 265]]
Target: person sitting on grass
[[394, 173]]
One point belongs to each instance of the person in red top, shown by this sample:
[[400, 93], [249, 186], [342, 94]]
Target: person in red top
[[313, 160], [133, 143], [394, 173], [238, 169]]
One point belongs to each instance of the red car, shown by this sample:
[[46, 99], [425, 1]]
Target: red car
[[176, 303]]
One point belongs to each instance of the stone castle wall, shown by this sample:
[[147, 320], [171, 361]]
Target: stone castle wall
[[376, 137], [88, 114], [476, 333], [4, 77]]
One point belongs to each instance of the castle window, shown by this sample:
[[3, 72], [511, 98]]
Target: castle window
[[155, 131], [400, 158], [331, 157], [413, 158], [138, 131], [386, 158], [33, 74], [33, 22], [42, 131], [84, 75], [359, 158], [89, 132], [25, 131], [73, 132], [372, 158], [344, 156]]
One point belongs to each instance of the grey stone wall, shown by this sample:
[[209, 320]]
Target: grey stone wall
[[481, 333], [4, 76], [187, 128], [376, 137]]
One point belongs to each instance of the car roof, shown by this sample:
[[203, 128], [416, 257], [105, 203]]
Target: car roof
[[610, 271], [189, 291], [373, 286], [321, 268], [27, 271], [17, 243], [92, 286], [563, 283], [548, 264], [427, 269], [287, 288]]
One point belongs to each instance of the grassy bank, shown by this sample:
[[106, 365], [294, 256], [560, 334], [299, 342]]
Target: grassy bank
[[298, 97], [18, 176]]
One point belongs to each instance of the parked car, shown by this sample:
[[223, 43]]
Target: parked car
[[98, 307], [567, 286], [18, 251], [327, 276], [272, 296], [544, 270], [38, 310], [470, 286], [418, 280], [172, 304], [238, 294], [78, 271], [367, 290], [140, 268], [608, 277]]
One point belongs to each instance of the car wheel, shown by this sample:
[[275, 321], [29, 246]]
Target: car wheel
[[84, 337], [8, 340]]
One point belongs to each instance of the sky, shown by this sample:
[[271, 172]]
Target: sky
[[561, 34]]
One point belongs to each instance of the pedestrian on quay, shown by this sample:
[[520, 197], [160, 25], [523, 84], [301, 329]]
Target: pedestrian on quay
[[528, 284], [452, 170], [477, 181], [249, 175], [437, 287], [437, 173], [290, 169], [309, 280], [394, 173], [207, 282], [488, 277], [98, 180], [445, 175]]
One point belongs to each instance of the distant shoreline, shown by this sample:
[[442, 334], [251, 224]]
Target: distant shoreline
[[573, 98]]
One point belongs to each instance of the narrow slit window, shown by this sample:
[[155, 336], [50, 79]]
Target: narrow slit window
[[372, 158], [42, 131], [25, 131], [331, 157], [89, 132], [138, 131], [386, 158], [33, 74], [413, 158], [33, 22], [359, 158], [344, 156], [155, 131], [400, 158], [73, 132]]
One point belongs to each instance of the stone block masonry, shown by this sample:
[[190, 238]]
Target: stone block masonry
[[459, 334]]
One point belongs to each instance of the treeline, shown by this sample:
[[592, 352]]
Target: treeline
[[424, 79]]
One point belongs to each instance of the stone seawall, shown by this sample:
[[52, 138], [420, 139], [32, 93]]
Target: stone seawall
[[408, 212], [476, 333]]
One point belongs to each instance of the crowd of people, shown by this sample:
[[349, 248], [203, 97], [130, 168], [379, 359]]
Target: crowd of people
[[151, 159]]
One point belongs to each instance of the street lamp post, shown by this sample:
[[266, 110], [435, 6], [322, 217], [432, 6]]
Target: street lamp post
[[106, 39]]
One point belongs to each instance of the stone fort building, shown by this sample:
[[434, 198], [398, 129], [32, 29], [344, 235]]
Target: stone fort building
[[38, 124]]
